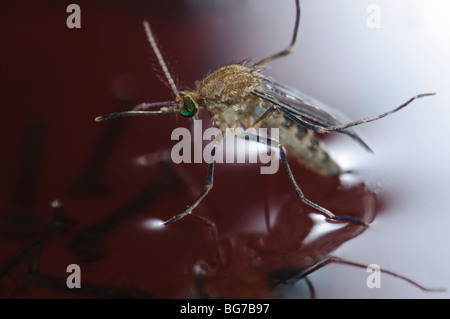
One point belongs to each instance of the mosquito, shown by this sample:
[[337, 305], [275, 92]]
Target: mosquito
[[239, 95]]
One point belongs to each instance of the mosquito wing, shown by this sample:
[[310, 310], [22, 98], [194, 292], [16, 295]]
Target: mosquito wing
[[300, 106]]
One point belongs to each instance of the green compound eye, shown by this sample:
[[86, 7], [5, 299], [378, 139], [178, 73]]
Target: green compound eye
[[189, 108]]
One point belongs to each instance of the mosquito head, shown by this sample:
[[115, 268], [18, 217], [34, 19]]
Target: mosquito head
[[188, 104]]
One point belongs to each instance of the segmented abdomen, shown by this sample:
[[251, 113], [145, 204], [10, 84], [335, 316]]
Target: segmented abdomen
[[304, 145]]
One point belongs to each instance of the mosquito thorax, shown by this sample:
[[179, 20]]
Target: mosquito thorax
[[225, 93]]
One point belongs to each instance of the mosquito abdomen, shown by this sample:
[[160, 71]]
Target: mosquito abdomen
[[304, 145]]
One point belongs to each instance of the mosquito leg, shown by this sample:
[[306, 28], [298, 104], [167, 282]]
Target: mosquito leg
[[266, 114], [208, 187], [372, 118], [312, 291], [314, 268], [302, 197], [338, 260], [327, 129], [290, 48], [184, 176], [271, 142]]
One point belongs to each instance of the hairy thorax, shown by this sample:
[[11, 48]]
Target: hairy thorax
[[225, 93]]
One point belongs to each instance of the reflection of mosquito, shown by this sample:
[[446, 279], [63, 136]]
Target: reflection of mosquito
[[239, 95]]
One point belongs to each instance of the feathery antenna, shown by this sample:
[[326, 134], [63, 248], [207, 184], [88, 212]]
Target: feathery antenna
[[161, 61]]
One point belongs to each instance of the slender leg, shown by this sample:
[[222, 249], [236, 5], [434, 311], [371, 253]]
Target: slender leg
[[326, 129], [290, 48], [312, 291], [372, 118], [338, 260], [270, 142], [302, 197], [208, 187], [266, 114]]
